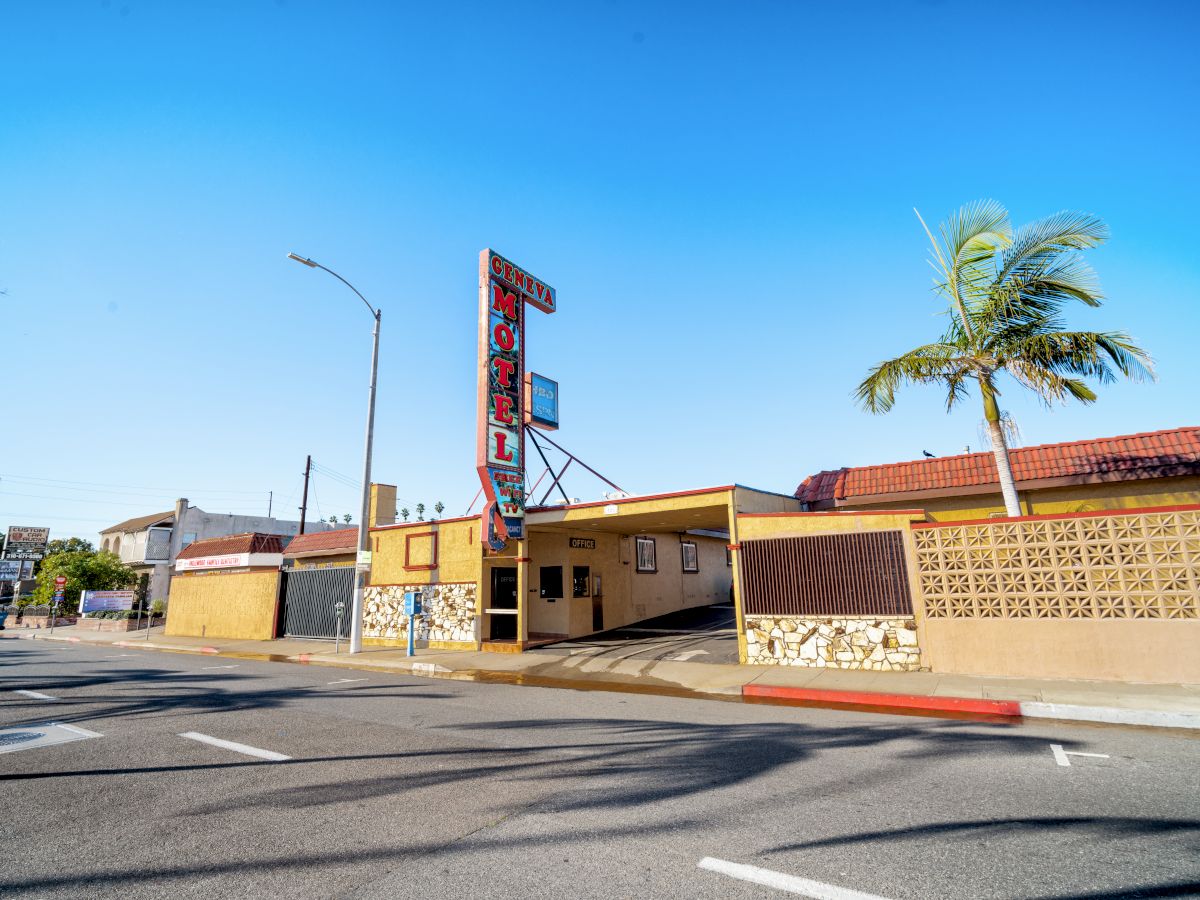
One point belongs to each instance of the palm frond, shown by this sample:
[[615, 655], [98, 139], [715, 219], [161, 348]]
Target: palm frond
[[936, 363], [1050, 363], [1062, 232]]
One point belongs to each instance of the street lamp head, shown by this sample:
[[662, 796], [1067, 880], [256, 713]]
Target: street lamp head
[[301, 259]]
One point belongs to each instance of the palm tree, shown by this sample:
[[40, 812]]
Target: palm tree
[[1005, 292]]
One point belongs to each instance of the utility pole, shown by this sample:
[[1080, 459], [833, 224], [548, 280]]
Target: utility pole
[[270, 502], [304, 500]]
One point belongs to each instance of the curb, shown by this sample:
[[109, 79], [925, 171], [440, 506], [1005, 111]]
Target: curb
[[878, 701], [1111, 715]]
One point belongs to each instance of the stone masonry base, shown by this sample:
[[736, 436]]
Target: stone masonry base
[[841, 643]]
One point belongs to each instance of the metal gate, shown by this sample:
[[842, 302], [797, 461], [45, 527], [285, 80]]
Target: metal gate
[[309, 600]]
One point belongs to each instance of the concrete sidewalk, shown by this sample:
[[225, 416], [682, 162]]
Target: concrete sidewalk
[[1157, 705]]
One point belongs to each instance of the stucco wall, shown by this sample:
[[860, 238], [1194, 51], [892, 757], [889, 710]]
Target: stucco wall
[[459, 553], [240, 605], [1158, 651]]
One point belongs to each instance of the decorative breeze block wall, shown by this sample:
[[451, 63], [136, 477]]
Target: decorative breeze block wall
[[1106, 566]]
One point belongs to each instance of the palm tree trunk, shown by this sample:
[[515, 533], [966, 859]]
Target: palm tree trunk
[[991, 412]]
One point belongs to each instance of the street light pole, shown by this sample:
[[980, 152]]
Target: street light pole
[[360, 574]]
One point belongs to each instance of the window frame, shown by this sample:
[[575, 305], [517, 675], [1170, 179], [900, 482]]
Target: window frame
[[683, 557], [637, 562]]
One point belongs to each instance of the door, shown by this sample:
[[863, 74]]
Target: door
[[504, 597]]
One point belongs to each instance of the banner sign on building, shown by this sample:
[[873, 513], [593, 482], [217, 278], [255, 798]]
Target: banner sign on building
[[10, 570], [541, 397], [229, 561], [504, 289], [95, 601]]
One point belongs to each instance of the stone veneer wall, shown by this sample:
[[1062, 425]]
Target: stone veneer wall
[[449, 612], [842, 643]]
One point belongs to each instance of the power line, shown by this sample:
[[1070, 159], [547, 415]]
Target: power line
[[127, 487]]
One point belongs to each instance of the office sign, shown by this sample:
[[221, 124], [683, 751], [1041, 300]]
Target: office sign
[[504, 289], [95, 601], [583, 543], [541, 402]]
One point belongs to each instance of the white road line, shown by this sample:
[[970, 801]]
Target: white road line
[[346, 680], [683, 657], [1062, 757], [234, 746], [118, 656], [234, 666], [781, 882], [82, 732], [35, 695], [679, 631]]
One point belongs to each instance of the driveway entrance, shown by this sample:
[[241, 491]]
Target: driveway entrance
[[706, 634]]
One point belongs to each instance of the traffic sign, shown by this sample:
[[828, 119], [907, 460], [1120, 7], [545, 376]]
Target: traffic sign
[[60, 580]]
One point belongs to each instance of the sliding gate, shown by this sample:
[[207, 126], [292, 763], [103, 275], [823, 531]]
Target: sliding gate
[[310, 598]]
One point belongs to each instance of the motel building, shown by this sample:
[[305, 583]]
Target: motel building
[[581, 569]]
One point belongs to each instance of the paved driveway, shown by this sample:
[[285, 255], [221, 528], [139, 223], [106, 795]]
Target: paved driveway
[[706, 634]]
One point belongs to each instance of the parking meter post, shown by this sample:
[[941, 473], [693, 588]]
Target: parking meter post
[[339, 608]]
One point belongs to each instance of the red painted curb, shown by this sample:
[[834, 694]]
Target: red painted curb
[[304, 657], [209, 650], [899, 701]]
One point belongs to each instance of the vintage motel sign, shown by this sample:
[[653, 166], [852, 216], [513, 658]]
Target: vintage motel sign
[[504, 289]]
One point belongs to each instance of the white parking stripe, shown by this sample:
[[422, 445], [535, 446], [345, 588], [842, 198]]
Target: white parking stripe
[[1062, 757], [234, 666], [346, 680], [35, 695], [781, 882], [234, 746], [83, 732]]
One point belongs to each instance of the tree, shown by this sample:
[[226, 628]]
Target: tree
[[333, 520], [420, 512], [1005, 292], [438, 507], [405, 513], [69, 545], [346, 518], [85, 570]]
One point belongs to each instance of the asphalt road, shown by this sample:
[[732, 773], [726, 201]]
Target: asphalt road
[[410, 787], [705, 634]]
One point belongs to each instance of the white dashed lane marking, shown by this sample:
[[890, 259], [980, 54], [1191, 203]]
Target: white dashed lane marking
[[35, 695], [1063, 757], [803, 887], [234, 746]]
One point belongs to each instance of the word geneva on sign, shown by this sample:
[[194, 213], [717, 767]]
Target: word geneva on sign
[[504, 289]]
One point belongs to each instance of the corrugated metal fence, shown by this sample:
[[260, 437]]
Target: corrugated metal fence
[[852, 574]]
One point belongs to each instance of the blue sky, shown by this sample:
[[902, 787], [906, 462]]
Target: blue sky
[[722, 195]]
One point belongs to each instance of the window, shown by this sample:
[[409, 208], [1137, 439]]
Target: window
[[551, 582], [691, 559], [580, 576], [647, 558]]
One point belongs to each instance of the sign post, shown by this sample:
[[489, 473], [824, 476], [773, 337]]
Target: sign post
[[412, 609], [60, 586]]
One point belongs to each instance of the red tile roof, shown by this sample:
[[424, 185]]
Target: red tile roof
[[340, 539], [1152, 454], [250, 542]]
